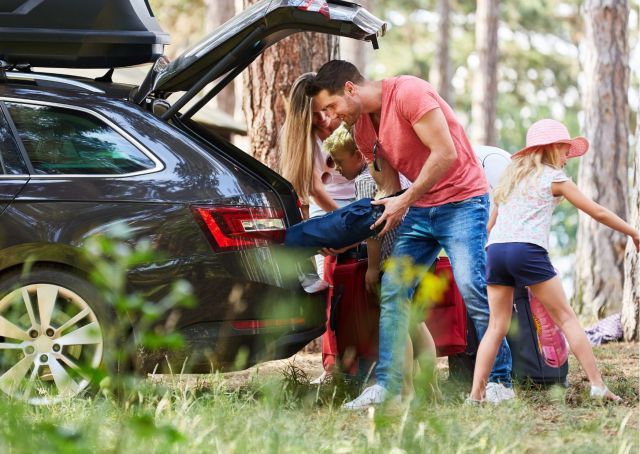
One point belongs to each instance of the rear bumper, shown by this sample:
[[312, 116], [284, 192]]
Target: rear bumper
[[288, 345], [231, 345]]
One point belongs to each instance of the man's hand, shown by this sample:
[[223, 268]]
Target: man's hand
[[372, 280], [394, 210]]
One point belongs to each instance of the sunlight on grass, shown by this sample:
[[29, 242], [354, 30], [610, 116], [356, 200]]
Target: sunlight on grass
[[281, 412]]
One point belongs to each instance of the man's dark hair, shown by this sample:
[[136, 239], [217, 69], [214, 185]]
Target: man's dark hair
[[332, 76]]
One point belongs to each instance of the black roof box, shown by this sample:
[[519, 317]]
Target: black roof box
[[79, 33]]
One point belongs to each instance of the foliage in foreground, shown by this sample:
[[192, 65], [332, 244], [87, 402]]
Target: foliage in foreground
[[281, 413]]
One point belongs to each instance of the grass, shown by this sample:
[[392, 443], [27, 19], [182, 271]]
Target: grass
[[272, 409]]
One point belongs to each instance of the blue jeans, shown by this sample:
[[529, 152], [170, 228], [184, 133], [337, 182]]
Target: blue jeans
[[461, 229]]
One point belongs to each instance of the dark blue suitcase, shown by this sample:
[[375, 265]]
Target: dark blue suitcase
[[528, 363]]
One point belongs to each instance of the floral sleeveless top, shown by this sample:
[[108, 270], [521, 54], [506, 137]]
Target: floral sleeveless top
[[525, 217]]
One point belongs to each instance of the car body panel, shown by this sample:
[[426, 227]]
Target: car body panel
[[9, 189], [48, 218]]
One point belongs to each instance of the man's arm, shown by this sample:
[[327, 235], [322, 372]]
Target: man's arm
[[433, 131]]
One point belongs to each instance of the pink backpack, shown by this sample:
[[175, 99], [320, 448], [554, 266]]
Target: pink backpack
[[551, 340]]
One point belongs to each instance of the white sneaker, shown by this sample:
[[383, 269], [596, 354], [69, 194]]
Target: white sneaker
[[373, 395], [497, 392], [321, 379]]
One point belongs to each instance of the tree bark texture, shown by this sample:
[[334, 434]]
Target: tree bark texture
[[267, 83], [631, 292], [440, 74], [603, 174], [217, 13], [485, 80]]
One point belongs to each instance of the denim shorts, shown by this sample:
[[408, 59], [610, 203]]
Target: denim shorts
[[518, 264]]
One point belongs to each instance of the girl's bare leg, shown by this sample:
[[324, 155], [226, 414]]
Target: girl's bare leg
[[500, 307], [551, 294], [424, 351], [407, 390], [424, 346]]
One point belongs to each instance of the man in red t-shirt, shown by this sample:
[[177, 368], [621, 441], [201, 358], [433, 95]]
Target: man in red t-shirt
[[406, 122]]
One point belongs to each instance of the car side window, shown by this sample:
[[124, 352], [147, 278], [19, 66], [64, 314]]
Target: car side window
[[61, 141], [10, 159]]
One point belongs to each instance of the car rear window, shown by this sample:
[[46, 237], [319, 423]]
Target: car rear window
[[72, 142], [10, 162]]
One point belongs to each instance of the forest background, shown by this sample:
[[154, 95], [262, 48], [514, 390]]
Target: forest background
[[501, 65]]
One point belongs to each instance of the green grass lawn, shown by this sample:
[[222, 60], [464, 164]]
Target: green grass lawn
[[270, 409]]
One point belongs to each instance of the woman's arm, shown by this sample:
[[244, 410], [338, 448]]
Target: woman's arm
[[572, 193], [319, 194]]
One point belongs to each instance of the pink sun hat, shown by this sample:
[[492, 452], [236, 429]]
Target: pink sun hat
[[547, 132]]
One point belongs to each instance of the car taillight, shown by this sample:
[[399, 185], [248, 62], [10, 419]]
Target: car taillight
[[300, 209], [241, 227]]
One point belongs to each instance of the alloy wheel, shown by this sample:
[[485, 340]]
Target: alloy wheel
[[50, 339]]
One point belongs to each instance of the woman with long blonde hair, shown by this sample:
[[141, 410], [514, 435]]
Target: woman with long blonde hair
[[519, 225], [302, 161], [311, 171]]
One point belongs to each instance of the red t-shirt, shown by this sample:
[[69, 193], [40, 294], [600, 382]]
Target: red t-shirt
[[405, 100]]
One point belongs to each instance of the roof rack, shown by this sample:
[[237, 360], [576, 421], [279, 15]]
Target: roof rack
[[46, 79]]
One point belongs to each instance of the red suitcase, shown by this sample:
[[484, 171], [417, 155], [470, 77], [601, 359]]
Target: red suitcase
[[447, 319], [354, 316]]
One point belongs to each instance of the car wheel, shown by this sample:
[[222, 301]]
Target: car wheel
[[51, 335]]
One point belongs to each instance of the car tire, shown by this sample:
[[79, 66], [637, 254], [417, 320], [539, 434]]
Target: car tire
[[54, 330]]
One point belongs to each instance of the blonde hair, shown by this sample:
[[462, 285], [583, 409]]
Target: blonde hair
[[340, 141], [524, 167], [297, 144]]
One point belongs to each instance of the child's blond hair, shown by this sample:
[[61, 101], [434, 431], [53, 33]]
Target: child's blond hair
[[526, 166], [340, 141]]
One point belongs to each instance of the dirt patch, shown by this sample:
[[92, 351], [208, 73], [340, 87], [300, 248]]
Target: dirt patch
[[619, 363]]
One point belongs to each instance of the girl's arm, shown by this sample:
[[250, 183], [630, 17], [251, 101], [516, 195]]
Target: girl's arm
[[572, 193], [492, 218], [372, 276], [319, 194]]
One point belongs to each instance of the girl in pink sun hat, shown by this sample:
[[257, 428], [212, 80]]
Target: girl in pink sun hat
[[549, 132], [532, 186]]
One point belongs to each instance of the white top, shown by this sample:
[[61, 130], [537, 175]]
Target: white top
[[525, 217], [337, 186]]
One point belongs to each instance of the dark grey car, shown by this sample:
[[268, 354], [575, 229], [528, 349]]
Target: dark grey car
[[79, 156]]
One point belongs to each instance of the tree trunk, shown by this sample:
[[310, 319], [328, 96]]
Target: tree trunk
[[603, 174], [485, 81], [631, 292], [217, 13], [440, 74], [267, 82]]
